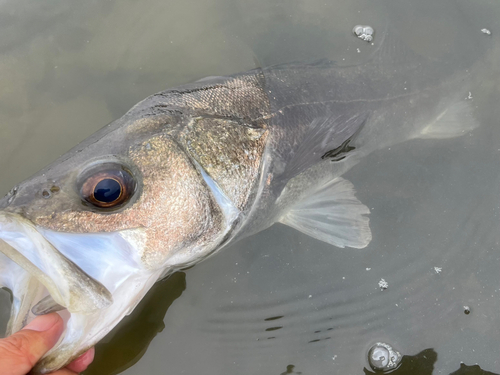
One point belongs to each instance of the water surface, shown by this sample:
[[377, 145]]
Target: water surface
[[279, 302]]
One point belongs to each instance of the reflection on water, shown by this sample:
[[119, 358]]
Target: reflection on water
[[290, 370], [127, 343], [279, 302], [471, 370]]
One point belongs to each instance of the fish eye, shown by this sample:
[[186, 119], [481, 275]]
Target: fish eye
[[108, 188]]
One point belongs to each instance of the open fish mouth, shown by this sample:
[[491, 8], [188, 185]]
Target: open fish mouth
[[91, 280]]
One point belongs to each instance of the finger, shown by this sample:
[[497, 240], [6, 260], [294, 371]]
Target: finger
[[78, 365], [81, 363], [20, 352]]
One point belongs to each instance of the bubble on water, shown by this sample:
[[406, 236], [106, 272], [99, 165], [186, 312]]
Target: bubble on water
[[466, 310], [382, 357], [364, 32], [486, 31], [383, 285]]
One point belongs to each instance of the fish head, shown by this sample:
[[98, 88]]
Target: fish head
[[91, 233]]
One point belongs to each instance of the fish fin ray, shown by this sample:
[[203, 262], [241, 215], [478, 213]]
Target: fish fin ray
[[332, 214], [455, 121]]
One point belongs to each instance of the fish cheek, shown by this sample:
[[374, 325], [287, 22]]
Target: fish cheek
[[175, 209], [181, 214]]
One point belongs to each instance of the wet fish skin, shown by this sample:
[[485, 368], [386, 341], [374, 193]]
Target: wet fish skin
[[225, 125], [151, 140], [172, 220], [225, 157]]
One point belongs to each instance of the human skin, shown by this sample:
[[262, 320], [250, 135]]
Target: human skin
[[21, 351]]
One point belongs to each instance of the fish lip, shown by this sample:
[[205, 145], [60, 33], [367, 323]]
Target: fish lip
[[24, 290], [25, 245], [84, 327]]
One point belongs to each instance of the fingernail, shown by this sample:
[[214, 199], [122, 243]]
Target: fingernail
[[43, 323]]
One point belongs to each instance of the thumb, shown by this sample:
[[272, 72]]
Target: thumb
[[20, 352]]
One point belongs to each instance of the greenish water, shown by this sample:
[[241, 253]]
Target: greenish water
[[278, 302]]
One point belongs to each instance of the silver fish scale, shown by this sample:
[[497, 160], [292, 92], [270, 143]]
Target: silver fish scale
[[237, 97]]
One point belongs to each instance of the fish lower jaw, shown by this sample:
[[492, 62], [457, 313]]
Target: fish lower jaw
[[91, 280], [84, 330]]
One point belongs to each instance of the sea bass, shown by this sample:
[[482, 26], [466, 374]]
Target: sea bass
[[192, 169]]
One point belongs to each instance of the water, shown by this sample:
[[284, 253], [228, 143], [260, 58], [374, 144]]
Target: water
[[279, 302]]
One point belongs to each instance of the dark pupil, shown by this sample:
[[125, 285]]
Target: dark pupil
[[107, 190]]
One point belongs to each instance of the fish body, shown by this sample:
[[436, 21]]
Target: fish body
[[190, 170]]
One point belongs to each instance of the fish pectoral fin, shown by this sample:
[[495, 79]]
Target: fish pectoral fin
[[455, 121], [333, 214]]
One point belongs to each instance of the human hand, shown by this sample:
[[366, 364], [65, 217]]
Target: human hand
[[20, 352]]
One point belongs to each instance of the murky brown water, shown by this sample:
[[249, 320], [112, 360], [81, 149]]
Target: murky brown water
[[278, 302]]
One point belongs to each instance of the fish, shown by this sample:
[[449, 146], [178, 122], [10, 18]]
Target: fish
[[191, 170]]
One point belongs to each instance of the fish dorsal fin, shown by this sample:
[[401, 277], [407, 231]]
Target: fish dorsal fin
[[331, 213]]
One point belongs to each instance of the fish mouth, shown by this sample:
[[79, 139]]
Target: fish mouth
[[91, 280]]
